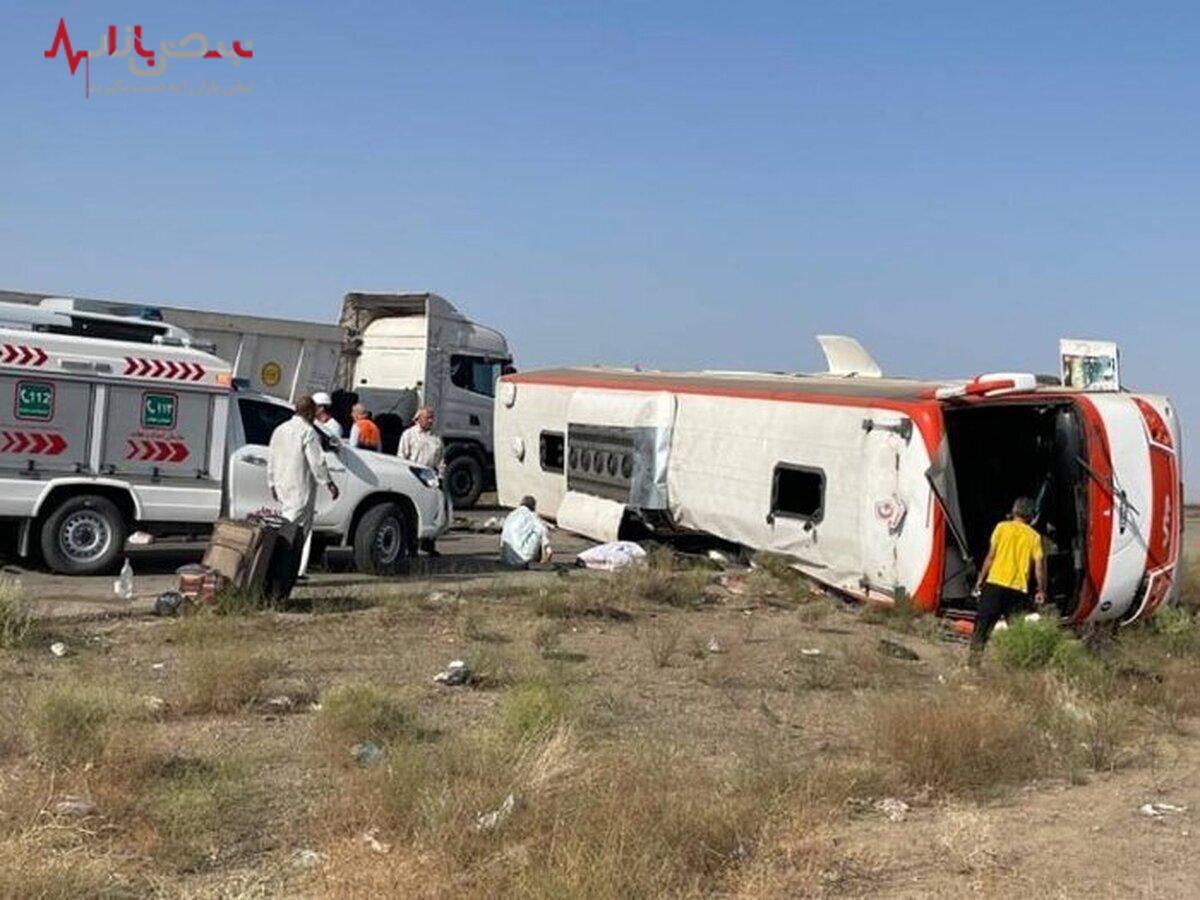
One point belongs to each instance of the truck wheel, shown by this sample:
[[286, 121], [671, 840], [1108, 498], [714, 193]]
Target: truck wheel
[[464, 480], [381, 540], [85, 535]]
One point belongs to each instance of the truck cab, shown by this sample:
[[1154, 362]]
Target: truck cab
[[417, 349]]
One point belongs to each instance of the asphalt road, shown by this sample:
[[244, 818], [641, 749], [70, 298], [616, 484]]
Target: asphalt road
[[469, 556]]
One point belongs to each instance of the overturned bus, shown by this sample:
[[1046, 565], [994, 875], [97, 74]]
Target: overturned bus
[[878, 488]]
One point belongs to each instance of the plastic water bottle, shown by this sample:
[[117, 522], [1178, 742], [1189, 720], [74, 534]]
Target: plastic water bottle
[[123, 586]]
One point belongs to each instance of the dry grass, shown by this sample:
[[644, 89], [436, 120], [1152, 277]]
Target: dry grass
[[954, 742], [662, 640], [221, 680], [76, 724], [16, 621], [363, 712]]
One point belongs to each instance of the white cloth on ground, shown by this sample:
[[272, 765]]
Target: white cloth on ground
[[523, 539], [613, 555], [423, 448]]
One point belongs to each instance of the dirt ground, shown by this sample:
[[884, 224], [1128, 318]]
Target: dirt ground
[[724, 673]]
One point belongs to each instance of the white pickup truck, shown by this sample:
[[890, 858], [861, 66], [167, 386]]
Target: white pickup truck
[[104, 436]]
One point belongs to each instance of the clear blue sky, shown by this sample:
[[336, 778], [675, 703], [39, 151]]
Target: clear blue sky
[[675, 184]]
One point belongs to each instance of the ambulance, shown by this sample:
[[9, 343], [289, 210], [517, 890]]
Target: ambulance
[[110, 424]]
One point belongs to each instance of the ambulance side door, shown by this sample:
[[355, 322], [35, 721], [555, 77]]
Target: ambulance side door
[[250, 435]]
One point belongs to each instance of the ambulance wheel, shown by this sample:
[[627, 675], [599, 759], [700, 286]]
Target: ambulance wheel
[[381, 540], [464, 480], [85, 535]]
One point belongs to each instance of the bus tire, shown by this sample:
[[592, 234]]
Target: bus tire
[[381, 540], [84, 535], [464, 480]]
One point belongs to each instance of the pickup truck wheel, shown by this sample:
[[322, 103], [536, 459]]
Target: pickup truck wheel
[[464, 480], [85, 535], [381, 540]]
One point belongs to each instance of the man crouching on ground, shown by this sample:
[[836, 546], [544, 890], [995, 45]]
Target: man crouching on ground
[[1003, 586], [524, 539]]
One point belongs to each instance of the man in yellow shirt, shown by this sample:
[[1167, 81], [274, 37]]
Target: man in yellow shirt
[[1003, 585]]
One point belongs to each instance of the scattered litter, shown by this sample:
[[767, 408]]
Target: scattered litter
[[455, 674], [154, 705], [611, 556], [158, 667], [719, 558], [75, 806], [59, 649], [896, 650], [439, 596], [810, 651], [715, 646], [283, 702], [367, 753], [306, 859], [371, 839], [493, 524], [169, 603], [140, 538], [1157, 810], [488, 821], [896, 810], [1033, 617], [123, 586]]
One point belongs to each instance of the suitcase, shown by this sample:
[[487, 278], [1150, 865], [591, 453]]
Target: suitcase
[[232, 549]]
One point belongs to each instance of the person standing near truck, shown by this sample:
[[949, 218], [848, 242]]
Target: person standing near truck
[[1003, 585], [364, 433], [324, 419], [421, 446], [295, 466]]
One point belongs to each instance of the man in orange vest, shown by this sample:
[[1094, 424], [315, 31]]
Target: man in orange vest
[[364, 433]]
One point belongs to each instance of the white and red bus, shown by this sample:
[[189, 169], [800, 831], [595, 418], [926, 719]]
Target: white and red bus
[[878, 488]]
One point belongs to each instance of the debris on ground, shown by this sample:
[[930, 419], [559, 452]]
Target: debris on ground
[[719, 558], [715, 646], [306, 859], [59, 649], [454, 675], [78, 807], [140, 539], [611, 556], [810, 651], [371, 839], [896, 650], [895, 809], [367, 753], [282, 703], [488, 821], [123, 586], [169, 603], [491, 525], [1157, 810], [154, 705]]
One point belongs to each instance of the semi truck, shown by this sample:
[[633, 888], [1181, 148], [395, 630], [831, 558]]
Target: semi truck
[[392, 351], [101, 434]]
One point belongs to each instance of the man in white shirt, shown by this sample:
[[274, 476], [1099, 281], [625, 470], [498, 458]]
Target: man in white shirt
[[524, 538], [420, 446], [324, 419], [295, 466]]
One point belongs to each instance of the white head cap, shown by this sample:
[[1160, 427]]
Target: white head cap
[[322, 399]]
